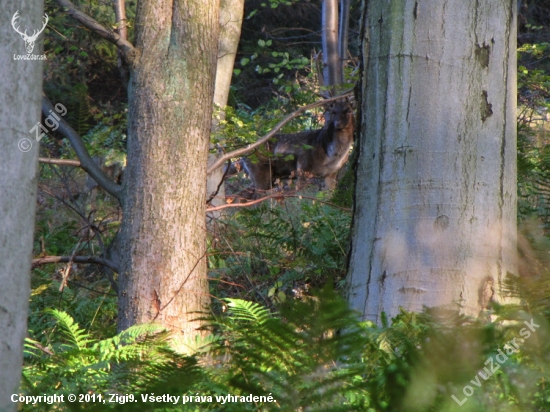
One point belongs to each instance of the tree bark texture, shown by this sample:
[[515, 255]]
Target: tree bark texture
[[435, 212], [163, 234], [21, 92]]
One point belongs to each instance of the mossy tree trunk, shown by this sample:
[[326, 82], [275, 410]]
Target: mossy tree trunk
[[435, 212]]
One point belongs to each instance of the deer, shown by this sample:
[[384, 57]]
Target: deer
[[319, 153]]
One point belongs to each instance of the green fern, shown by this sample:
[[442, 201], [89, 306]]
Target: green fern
[[76, 363], [248, 311]]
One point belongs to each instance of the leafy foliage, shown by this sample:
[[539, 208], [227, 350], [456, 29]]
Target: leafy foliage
[[311, 354], [280, 250]]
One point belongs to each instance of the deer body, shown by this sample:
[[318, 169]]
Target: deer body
[[320, 153]]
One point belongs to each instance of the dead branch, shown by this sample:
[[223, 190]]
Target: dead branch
[[60, 162], [76, 259], [277, 196]]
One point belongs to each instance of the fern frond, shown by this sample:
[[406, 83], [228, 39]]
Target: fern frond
[[70, 330], [243, 310]]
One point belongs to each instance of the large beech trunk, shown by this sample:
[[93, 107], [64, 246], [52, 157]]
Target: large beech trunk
[[435, 213], [163, 234]]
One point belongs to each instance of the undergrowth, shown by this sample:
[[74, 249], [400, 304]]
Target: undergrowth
[[310, 354]]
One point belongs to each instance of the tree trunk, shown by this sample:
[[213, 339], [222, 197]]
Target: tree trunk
[[21, 91], [343, 31], [435, 212], [163, 234], [231, 18], [331, 59]]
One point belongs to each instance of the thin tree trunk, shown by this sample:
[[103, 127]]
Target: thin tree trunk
[[163, 235], [331, 59], [231, 18], [343, 31], [435, 213], [21, 91]]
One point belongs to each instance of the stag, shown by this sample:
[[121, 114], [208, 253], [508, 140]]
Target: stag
[[319, 153], [29, 40]]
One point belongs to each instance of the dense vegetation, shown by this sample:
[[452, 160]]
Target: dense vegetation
[[280, 326]]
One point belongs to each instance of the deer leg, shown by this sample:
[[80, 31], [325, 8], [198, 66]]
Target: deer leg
[[301, 179], [330, 181], [260, 175]]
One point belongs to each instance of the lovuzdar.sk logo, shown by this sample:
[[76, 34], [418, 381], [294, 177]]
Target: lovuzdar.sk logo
[[29, 40]]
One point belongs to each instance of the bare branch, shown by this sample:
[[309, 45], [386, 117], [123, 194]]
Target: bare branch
[[277, 196], [76, 259], [273, 132], [129, 52], [86, 162], [59, 162]]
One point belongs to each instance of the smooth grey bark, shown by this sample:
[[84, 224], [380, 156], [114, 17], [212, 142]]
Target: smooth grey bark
[[21, 91], [435, 211]]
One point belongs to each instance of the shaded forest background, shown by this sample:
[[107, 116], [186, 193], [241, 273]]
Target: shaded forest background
[[277, 271]]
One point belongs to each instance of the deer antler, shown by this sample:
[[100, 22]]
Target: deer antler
[[35, 33], [15, 17]]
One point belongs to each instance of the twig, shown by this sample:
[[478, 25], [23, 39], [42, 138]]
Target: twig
[[181, 286], [69, 266], [275, 196], [76, 259], [220, 184], [60, 162]]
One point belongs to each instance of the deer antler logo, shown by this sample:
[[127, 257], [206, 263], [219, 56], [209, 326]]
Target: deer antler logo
[[29, 40]]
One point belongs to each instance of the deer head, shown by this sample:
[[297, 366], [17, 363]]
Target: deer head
[[339, 114], [29, 40]]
